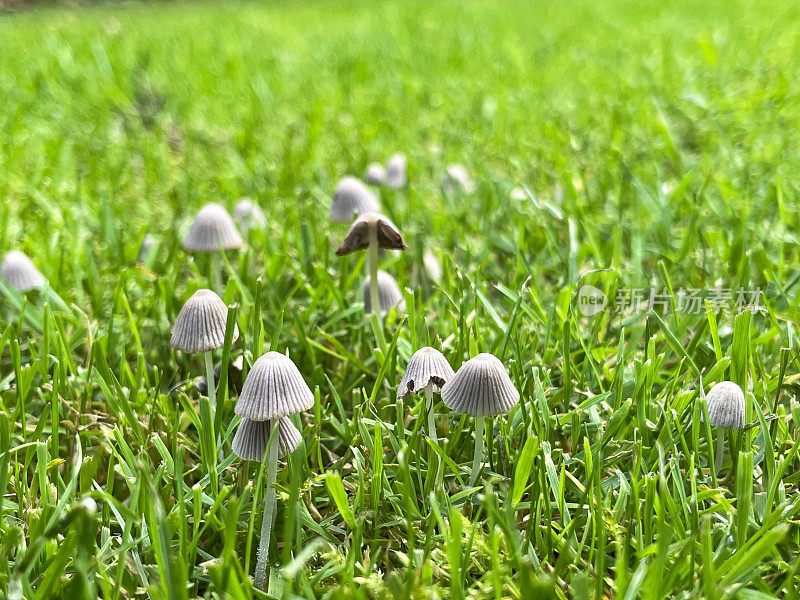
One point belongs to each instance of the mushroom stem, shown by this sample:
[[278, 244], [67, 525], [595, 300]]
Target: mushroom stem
[[374, 297], [211, 387], [720, 451], [432, 426], [478, 459], [216, 274], [270, 502]]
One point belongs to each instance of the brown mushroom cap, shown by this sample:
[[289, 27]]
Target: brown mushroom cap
[[358, 237]]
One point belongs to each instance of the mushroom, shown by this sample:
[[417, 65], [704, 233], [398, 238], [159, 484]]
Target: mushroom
[[372, 231], [480, 388], [433, 266], [726, 408], [20, 272], [149, 243], [389, 294], [274, 389], [252, 437], [352, 198], [456, 179], [396, 171], [375, 174], [427, 369], [213, 231], [249, 215]]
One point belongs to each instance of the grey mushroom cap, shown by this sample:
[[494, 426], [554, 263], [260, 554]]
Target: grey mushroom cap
[[274, 388], [457, 179], [200, 326], [427, 365], [389, 294], [248, 215], [480, 388], [250, 441], [726, 405], [396, 170], [149, 242], [352, 198], [212, 230], [20, 272], [357, 238], [375, 174], [433, 266]]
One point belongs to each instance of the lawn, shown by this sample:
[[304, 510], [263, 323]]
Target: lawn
[[619, 151]]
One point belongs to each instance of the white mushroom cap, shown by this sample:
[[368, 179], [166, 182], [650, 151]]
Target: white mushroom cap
[[427, 365], [212, 230], [457, 179], [389, 294], [352, 198], [375, 174], [249, 215], [433, 266], [250, 441], [726, 405], [200, 326], [481, 387], [274, 388], [396, 170], [357, 237], [20, 272]]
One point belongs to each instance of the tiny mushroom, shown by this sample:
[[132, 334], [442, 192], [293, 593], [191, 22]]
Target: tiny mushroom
[[375, 174], [352, 198], [213, 231], [726, 410], [274, 389], [250, 441], [389, 294], [480, 388], [457, 179], [248, 215], [396, 171], [20, 272]]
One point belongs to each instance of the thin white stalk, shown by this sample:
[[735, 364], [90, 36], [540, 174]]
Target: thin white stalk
[[478, 459], [432, 427], [216, 274], [720, 451], [270, 503], [211, 392], [374, 297]]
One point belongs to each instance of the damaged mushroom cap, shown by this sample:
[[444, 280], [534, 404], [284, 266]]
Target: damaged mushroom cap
[[427, 365], [248, 215], [20, 272], [396, 170], [212, 230], [352, 198], [480, 388], [358, 237], [200, 326], [726, 405], [389, 294], [250, 441], [375, 174], [274, 388]]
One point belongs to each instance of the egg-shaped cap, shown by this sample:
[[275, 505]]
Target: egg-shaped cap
[[212, 230], [375, 174], [457, 179], [250, 441], [20, 272], [726, 405], [396, 170], [200, 326], [274, 388], [480, 388], [357, 238], [352, 198], [249, 215], [389, 293], [427, 365]]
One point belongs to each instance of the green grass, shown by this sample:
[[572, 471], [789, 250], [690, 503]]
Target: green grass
[[660, 149]]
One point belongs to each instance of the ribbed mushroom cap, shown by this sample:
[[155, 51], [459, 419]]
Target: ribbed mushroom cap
[[427, 365], [212, 230], [250, 441], [358, 236], [457, 179], [375, 174], [396, 170], [726, 405], [20, 272], [274, 388], [389, 294], [200, 326], [481, 387], [352, 198], [249, 215]]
